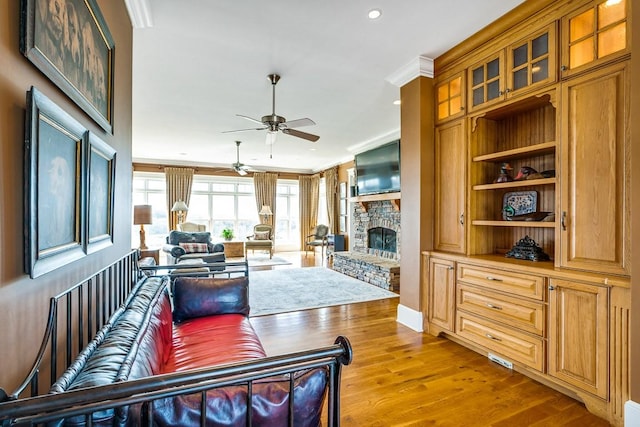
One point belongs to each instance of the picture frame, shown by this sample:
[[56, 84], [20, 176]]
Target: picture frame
[[54, 186], [101, 169], [69, 41]]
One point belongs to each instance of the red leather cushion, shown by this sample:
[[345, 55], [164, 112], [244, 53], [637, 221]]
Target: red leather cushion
[[213, 340]]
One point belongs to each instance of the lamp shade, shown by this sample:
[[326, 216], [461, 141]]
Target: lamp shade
[[179, 206], [142, 214], [266, 210]]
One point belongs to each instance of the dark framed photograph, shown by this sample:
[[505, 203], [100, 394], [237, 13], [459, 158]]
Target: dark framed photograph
[[54, 187], [101, 163], [68, 40]]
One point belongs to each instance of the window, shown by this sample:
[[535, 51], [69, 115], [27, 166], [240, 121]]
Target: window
[[287, 215], [150, 189], [218, 202]]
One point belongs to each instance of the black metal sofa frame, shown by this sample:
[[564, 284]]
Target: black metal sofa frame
[[78, 313]]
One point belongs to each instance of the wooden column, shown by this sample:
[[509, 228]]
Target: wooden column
[[416, 180]]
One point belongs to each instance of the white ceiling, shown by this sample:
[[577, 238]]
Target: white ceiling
[[198, 63]]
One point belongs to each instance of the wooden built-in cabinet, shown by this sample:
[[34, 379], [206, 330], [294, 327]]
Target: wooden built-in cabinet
[[450, 98], [524, 65], [595, 203], [597, 32], [442, 276], [554, 99], [450, 183], [578, 335]]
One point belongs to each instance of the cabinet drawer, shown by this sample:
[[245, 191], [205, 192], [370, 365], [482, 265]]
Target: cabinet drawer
[[512, 344], [517, 312], [526, 285]]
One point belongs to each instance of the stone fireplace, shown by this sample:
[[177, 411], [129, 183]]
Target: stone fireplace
[[378, 215], [375, 238]]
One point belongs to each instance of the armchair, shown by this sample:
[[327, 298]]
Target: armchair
[[262, 239], [182, 246], [317, 238], [191, 227]]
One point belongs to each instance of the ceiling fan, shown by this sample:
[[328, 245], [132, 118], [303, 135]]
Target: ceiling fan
[[273, 123], [241, 168]]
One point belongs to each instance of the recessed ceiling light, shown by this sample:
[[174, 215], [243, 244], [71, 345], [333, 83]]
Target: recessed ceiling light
[[396, 102], [375, 13], [312, 149]]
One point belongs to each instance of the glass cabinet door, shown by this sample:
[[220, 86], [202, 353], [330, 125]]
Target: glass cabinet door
[[486, 82], [450, 98], [594, 34], [531, 62]]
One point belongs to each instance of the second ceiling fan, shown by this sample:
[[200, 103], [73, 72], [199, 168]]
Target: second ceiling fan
[[274, 123]]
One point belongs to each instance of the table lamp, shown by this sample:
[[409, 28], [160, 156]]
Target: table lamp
[[265, 212], [141, 216], [180, 207]]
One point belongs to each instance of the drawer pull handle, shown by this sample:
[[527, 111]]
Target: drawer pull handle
[[494, 279], [491, 337], [495, 307]]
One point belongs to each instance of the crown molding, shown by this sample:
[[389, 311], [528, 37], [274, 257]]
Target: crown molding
[[420, 66], [139, 13]]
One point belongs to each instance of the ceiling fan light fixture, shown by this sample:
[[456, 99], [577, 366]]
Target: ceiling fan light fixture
[[271, 137]]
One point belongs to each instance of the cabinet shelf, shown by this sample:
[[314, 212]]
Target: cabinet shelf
[[532, 224], [518, 153], [515, 184]]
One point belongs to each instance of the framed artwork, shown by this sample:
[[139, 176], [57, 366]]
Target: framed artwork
[[68, 40], [101, 164], [54, 188]]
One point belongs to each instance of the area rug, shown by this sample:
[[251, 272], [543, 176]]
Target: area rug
[[265, 261], [293, 289]]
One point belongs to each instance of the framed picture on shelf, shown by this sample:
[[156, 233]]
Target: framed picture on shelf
[[68, 40], [54, 188], [101, 163]]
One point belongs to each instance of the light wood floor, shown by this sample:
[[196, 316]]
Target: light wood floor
[[400, 377]]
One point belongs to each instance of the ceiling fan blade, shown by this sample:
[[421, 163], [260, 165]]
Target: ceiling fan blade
[[241, 171], [299, 123], [250, 118], [300, 134], [243, 130]]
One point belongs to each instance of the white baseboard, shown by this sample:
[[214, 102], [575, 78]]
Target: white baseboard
[[631, 414], [410, 318]]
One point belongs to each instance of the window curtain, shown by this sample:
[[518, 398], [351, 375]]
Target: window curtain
[[265, 185], [179, 182], [331, 185], [309, 197]]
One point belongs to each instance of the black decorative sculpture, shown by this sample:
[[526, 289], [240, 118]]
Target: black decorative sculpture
[[527, 249]]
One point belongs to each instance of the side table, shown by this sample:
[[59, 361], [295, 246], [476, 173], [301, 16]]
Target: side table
[[233, 248], [154, 253]]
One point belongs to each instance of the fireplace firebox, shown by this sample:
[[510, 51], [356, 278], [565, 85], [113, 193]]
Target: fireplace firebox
[[382, 239]]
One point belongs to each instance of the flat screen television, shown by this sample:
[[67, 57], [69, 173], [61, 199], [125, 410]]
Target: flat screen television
[[378, 170]]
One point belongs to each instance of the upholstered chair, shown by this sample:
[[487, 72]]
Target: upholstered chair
[[319, 237], [182, 246], [261, 239], [191, 227]]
